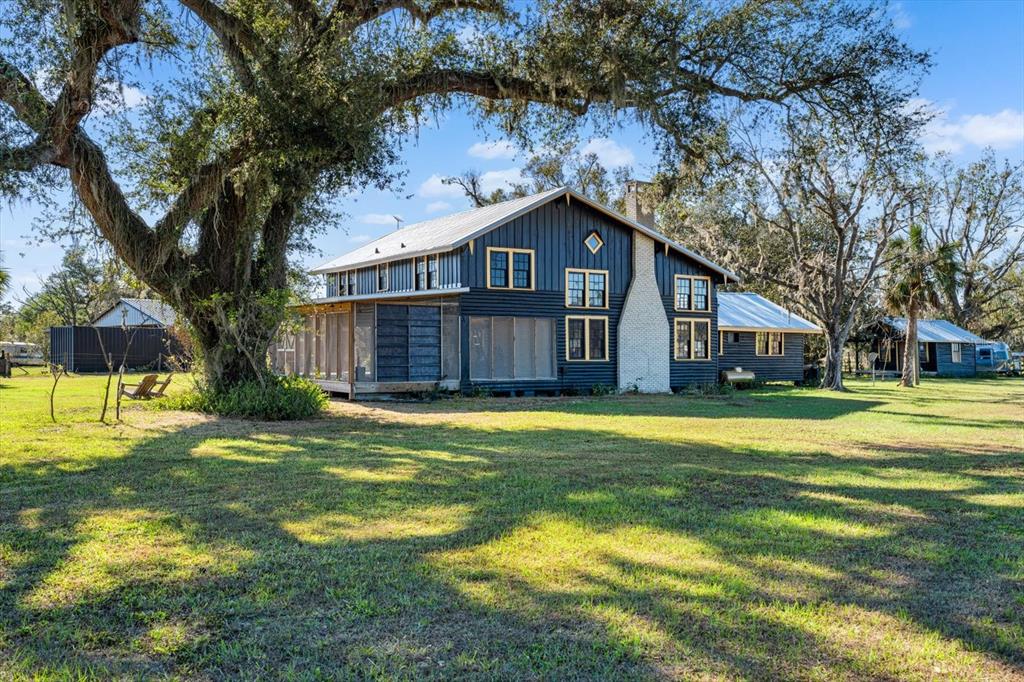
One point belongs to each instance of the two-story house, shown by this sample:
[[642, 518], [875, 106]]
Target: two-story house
[[547, 293]]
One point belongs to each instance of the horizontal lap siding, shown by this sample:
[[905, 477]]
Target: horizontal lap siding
[[666, 267], [786, 367], [945, 365], [556, 233], [408, 343]]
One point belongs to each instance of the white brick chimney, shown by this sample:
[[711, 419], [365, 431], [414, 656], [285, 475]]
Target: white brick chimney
[[644, 333]]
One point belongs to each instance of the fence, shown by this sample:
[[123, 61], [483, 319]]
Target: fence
[[79, 348]]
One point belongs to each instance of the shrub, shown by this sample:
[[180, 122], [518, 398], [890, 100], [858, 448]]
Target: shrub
[[602, 389], [279, 398]]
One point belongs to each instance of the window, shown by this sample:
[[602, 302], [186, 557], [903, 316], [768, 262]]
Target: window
[[511, 348], [509, 268], [955, 350], [332, 284], [382, 277], [692, 292], [693, 339], [421, 273], [586, 288], [351, 288], [593, 242], [586, 338], [432, 262], [769, 343]]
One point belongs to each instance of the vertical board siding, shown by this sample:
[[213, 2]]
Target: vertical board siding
[[556, 232], [79, 349], [666, 267], [786, 367]]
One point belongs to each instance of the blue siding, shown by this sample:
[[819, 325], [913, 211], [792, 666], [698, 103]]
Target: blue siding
[[786, 367], [408, 343], [944, 360], [555, 232], [402, 275], [666, 267]]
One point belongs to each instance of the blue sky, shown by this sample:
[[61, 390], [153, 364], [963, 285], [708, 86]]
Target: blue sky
[[976, 86]]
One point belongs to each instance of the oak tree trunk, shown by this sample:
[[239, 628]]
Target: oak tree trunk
[[835, 339]]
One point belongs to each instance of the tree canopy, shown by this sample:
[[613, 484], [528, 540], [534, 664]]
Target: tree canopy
[[276, 106]]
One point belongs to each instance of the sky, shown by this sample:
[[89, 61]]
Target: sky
[[976, 88]]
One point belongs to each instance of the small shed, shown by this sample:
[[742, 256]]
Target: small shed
[[761, 336], [944, 349], [137, 312]]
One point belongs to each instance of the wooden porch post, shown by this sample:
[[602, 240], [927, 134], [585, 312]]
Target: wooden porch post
[[352, 353]]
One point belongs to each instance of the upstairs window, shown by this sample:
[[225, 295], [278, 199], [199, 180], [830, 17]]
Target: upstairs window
[[586, 288], [350, 288], [421, 273], [770, 343], [509, 268], [692, 293], [382, 277], [332, 284], [593, 242], [432, 262]]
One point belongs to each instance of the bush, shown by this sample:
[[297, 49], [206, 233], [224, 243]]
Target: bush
[[602, 389], [280, 398]]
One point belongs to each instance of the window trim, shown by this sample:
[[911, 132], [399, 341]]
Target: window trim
[[511, 268], [586, 289], [956, 353], [600, 242], [432, 283], [721, 342], [675, 297], [387, 276], [675, 338], [586, 338], [416, 273], [782, 345]]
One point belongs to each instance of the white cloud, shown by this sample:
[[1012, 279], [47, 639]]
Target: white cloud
[[1001, 130], [501, 179], [433, 188], [610, 153], [438, 206], [900, 18], [498, 149], [360, 238], [378, 219]]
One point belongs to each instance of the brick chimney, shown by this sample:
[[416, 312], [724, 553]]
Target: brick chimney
[[639, 208]]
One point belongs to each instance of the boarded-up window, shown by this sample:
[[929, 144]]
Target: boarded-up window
[[503, 348]]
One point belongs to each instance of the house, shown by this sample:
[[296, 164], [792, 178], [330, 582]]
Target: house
[[547, 293], [944, 349], [137, 312], [758, 335]]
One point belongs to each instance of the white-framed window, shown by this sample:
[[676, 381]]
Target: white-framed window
[[586, 338], [382, 277], [586, 288], [502, 348], [770, 343], [693, 339], [956, 352], [509, 268], [692, 292]]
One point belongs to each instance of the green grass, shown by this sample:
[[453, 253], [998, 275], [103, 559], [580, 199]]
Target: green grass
[[777, 533]]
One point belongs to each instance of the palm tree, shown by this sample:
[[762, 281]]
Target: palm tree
[[5, 280], [918, 275]]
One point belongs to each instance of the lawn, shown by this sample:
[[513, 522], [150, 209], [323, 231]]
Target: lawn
[[776, 533]]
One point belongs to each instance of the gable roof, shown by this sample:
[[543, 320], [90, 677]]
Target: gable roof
[[746, 311], [452, 231], [935, 331], [155, 309]]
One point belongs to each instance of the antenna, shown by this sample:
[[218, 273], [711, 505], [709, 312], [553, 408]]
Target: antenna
[[398, 222]]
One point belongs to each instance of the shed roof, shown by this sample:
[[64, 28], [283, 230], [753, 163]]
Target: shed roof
[[747, 311], [155, 309], [451, 231], [935, 331]]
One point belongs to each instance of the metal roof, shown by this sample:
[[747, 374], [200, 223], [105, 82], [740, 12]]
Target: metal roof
[[935, 331], [451, 231], [747, 311], [155, 309]]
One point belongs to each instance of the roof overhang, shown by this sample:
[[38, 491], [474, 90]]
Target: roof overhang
[[784, 330], [429, 293]]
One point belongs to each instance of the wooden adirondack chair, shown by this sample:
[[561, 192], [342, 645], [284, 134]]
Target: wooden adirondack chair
[[160, 387], [141, 390]]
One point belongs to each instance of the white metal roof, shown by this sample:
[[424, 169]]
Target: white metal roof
[[746, 311], [451, 231], [935, 331], [154, 309]]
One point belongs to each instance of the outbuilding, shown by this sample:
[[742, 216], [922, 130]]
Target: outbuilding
[[944, 349]]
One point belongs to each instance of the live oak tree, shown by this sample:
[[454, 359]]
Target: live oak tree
[[269, 108]]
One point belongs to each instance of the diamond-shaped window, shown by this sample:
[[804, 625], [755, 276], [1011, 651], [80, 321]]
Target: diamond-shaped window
[[593, 242]]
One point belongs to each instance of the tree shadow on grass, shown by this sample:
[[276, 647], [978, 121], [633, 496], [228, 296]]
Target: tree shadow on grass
[[360, 547]]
